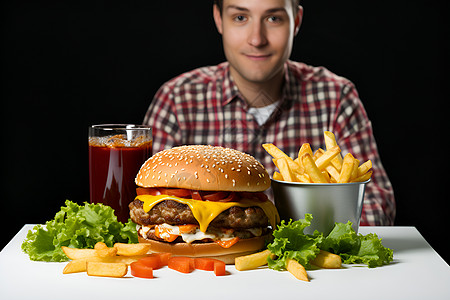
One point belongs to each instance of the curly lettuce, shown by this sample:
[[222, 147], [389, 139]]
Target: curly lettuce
[[291, 242], [77, 226], [357, 249]]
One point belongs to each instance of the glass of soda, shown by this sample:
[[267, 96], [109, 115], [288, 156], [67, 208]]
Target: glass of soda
[[116, 153]]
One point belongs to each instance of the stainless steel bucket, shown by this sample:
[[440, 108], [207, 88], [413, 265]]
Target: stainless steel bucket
[[327, 202]]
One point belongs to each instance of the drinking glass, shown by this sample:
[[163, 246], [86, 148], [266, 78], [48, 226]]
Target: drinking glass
[[116, 153]]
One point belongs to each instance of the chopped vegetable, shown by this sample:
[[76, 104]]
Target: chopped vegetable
[[138, 269], [77, 226], [219, 268], [181, 264], [291, 243], [356, 249]]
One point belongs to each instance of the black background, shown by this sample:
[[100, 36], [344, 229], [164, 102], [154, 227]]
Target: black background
[[69, 64]]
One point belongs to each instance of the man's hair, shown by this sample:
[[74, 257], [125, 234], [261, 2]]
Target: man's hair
[[295, 4]]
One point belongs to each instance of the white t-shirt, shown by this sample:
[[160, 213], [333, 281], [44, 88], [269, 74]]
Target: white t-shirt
[[262, 114]]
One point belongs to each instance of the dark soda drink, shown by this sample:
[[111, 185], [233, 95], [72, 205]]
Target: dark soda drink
[[114, 162]]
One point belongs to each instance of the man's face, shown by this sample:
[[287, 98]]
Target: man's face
[[257, 36]]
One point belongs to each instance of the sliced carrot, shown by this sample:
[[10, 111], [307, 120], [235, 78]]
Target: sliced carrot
[[219, 268], [152, 261], [181, 264], [138, 269], [206, 264], [164, 257], [227, 243]]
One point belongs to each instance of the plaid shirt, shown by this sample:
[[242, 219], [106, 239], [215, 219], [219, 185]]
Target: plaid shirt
[[204, 106]]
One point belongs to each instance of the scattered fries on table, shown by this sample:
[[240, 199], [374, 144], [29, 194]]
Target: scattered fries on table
[[321, 166], [324, 259], [104, 260]]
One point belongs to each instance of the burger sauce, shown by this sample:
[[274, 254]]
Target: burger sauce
[[112, 170]]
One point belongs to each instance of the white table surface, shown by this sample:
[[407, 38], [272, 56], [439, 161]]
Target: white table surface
[[417, 272]]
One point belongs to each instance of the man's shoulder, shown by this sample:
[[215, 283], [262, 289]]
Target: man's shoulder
[[304, 72], [199, 76]]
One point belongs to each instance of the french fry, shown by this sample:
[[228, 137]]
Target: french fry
[[106, 269], [312, 170], [285, 171], [297, 270], [74, 253], [334, 174], [104, 251], [323, 167], [100, 245], [132, 249], [305, 148], [120, 259], [277, 176], [364, 168], [303, 178], [355, 169], [330, 142], [327, 260], [319, 152], [75, 266], [326, 158], [363, 177], [252, 261], [277, 153], [347, 168]]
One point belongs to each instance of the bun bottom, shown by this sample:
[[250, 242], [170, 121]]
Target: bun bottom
[[209, 250]]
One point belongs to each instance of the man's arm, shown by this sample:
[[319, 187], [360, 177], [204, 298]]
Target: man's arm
[[354, 134]]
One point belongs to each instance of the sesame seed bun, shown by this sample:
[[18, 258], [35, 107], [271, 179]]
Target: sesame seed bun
[[205, 168]]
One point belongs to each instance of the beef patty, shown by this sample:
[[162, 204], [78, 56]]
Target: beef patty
[[175, 213]]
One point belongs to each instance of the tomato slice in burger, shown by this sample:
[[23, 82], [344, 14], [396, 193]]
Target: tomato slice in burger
[[215, 196], [196, 195], [147, 191], [221, 196], [182, 193]]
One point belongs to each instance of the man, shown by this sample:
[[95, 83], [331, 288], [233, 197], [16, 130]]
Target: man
[[260, 96]]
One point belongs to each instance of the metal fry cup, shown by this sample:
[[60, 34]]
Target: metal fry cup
[[327, 202]]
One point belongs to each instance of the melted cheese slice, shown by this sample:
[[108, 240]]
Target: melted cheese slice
[[206, 211]]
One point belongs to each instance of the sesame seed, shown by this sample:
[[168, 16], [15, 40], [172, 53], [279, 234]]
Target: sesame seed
[[207, 180]]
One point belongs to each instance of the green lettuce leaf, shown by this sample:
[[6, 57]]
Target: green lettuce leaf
[[356, 249], [77, 226], [290, 242]]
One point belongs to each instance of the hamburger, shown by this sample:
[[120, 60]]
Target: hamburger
[[203, 201]]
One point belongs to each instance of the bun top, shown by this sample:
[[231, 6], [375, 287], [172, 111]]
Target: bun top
[[205, 168]]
